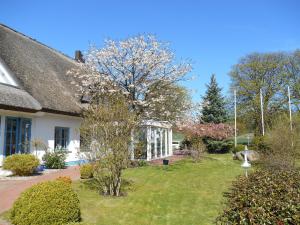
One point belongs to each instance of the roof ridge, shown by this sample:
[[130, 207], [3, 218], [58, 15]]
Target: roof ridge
[[40, 43]]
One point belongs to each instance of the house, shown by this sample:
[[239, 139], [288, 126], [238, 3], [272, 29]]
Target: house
[[37, 100]]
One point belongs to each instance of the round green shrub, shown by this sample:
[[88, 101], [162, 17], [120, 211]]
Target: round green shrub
[[265, 197], [47, 203], [55, 159], [21, 164], [86, 171]]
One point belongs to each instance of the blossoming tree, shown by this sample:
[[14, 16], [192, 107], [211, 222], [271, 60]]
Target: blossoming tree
[[136, 66]]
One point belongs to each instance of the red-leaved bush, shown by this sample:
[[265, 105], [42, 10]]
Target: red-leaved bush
[[219, 131]]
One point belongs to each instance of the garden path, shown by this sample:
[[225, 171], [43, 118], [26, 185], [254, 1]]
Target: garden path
[[11, 189]]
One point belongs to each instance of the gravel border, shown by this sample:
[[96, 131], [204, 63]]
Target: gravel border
[[46, 171]]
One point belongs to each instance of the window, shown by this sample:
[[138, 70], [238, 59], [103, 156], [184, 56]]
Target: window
[[61, 137], [152, 141], [17, 135], [158, 142], [140, 143]]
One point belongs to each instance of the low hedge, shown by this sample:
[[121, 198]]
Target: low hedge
[[86, 171], [21, 164], [47, 203], [216, 146], [266, 197]]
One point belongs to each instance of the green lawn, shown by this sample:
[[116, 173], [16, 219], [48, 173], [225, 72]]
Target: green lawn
[[183, 193]]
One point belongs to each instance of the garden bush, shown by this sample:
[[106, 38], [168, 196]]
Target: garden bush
[[55, 159], [102, 179], [86, 171], [198, 149], [21, 164], [283, 146], [137, 163], [266, 197], [47, 203], [259, 144], [65, 179], [218, 146], [238, 148], [142, 163]]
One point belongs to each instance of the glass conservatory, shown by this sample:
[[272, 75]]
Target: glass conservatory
[[153, 140]]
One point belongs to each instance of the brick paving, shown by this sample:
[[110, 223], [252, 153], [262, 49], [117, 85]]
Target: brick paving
[[11, 189]]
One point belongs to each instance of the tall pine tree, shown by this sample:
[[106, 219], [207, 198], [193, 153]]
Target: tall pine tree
[[213, 110]]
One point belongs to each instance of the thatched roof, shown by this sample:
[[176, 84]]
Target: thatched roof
[[15, 98], [41, 72]]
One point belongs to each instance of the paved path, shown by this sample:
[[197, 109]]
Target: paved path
[[11, 189]]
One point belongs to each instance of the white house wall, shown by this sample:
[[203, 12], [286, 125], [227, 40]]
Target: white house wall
[[43, 127]]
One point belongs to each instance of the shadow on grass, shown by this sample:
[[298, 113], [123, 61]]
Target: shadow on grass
[[93, 185]]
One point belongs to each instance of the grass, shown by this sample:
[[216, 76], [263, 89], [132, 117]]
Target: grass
[[183, 193]]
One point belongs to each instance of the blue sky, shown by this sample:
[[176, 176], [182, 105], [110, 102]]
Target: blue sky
[[213, 34]]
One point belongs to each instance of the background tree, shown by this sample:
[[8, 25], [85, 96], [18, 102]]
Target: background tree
[[260, 71], [137, 67], [175, 102], [106, 130], [214, 108], [293, 70]]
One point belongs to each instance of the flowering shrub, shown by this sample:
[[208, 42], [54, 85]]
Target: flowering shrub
[[213, 135], [219, 131]]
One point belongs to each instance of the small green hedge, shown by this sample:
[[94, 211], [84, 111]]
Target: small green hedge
[[137, 163], [216, 146], [47, 203], [266, 197], [86, 171], [21, 164]]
